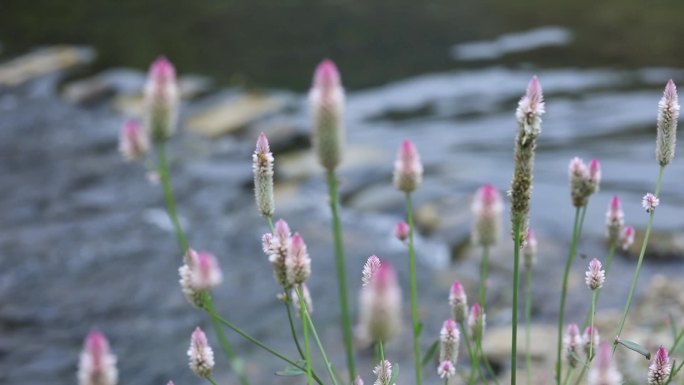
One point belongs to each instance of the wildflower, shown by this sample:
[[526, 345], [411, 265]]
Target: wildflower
[[384, 373], [604, 372], [529, 250], [408, 170], [200, 354], [594, 176], [327, 107], [446, 369], [276, 247], [659, 371], [449, 339], [668, 113], [476, 322], [458, 302], [528, 114], [133, 141], [627, 238], [97, 365], [307, 299], [595, 276], [161, 100], [590, 340], [572, 342], [401, 231], [650, 202], [298, 263], [380, 306], [580, 187], [487, 208], [199, 273], [615, 220], [262, 165], [358, 380], [371, 267]]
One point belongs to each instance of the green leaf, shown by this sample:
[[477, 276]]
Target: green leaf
[[290, 371], [430, 353], [631, 345]]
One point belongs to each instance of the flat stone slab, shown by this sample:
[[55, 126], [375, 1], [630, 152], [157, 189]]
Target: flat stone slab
[[43, 62]]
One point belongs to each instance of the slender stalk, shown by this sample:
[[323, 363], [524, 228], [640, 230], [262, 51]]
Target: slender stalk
[[341, 273], [528, 322], [489, 368], [635, 278], [233, 359], [514, 316], [582, 215], [270, 224], [211, 380], [564, 292], [484, 273], [292, 329], [473, 368], [307, 316], [382, 351], [305, 332], [415, 320], [590, 357], [568, 374]]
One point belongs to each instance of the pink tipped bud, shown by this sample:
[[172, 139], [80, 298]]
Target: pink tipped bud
[[529, 250], [449, 338], [170, 383], [615, 220], [659, 371], [358, 380], [649, 202], [327, 107], [401, 231], [298, 263], [262, 165], [97, 365], [458, 302], [307, 299], [408, 170], [590, 340], [200, 354], [604, 372], [133, 141], [595, 276], [267, 243], [371, 267], [476, 322], [580, 186], [206, 272], [384, 373], [380, 306], [277, 246], [572, 343], [282, 231], [668, 113], [487, 211], [594, 178], [627, 238], [161, 99], [531, 108], [446, 369]]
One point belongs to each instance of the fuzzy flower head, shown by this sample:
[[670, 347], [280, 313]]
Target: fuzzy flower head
[[487, 209], [476, 322], [307, 299], [446, 369], [199, 273], [200, 354], [383, 373], [594, 176], [298, 263], [572, 343], [604, 371], [659, 371], [161, 100], [595, 276], [327, 108], [649, 202], [358, 380], [370, 268], [276, 246], [590, 340], [262, 165], [531, 108], [458, 302], [581, 185], [380, 306], [615, 219], [449, 338], [97, 365], [408, 170], [627, 237], [668, 113], [133, 141], [529, 250], [401, 231]]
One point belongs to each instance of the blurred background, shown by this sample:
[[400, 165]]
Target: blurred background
[[84, 236]]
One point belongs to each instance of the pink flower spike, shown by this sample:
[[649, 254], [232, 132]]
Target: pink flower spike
[[358, 380], [604, 372], [487, 209], [370, 268], [594, 175], [326, 98], [161, 100], [449, 339], [133, 141], [627, 238], [595, 275], [650, 202], [446, 369], [162, 70], [571, 343], [401, 231], [262, 167], [298, 263], [97, 365], [205, 271], [200, 354], [282, 231], [380, 305], [615, 220], [383, 371], [326, 75], [531, 108], [668, 114], [408, 169], [659, 370], [458, 302], [170, 383], [577, 169], [476, 322], [590, 339]]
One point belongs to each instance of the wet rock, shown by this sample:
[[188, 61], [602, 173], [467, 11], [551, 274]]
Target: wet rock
[[304, 164], [662, 245], [43, 62], [427, 218], [105, 84], [497, 343]]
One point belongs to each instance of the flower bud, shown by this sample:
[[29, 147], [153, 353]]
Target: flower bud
[[380, 306], [133, 141], [650, 202], [307, 299], [401, 231], [276, 247], [358, 380], [580, 189], [659, 370], [298, 263], [668, 113], [200, 354], [161, 100], [529, 250], [571, 343], [615, 220], [531, 108], [595, 276], [384, 373], [604, 372], [458, 302], [262, 165], [487, 209], [594, 176], [408, 170], [97, 365], [627, 238], [446, 369], [199, 273], [371, 267], [327, 108], [590, 340], [476, 322], [449, 338]]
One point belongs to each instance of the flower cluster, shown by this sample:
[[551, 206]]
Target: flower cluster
[[584, 180], [199, 273], [379, 302], [97, 365]]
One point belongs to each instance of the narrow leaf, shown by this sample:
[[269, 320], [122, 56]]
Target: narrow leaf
[[290, 371], [432, 350], [631, 345]]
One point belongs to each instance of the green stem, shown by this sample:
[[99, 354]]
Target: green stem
[[484, 272], [473, 368], [635, 278], [211, 380], [568, 374], [528, 322], [305, 332], [270, 224], [514, 316], [233, 359], [564, 291], [590, 357], [489, 368], [292, 329], [583, 213], [341, 273], [165, 178], [415, 320], [307, 316]]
